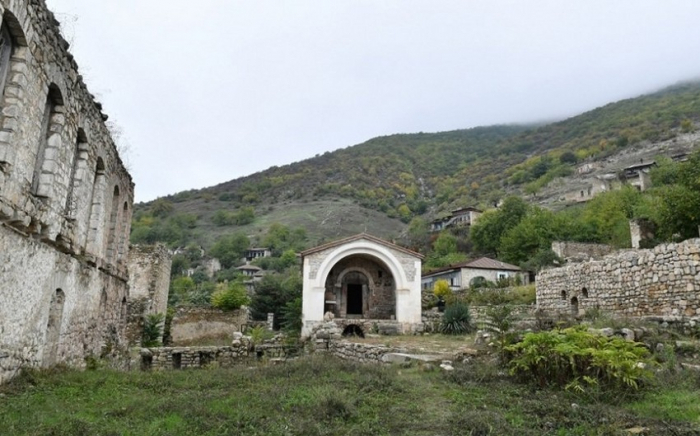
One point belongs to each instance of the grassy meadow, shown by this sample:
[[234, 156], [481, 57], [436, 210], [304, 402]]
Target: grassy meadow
[[320, 395]]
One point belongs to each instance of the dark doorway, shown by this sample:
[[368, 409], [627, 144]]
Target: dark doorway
[[353, 330], [354, 299], [574, 306]]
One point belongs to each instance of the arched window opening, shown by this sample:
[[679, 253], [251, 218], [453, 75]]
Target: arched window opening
[[574, 306], [113, 226], [74, 181], [584, 293], [7, 46], [52, 126], [53, 327], [123, 225], [563, 295]]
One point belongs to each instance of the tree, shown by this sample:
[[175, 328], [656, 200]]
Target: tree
[[230, 249], [486, 233], [418, 234], [445, 244], [568, 157], [272, 294], [534, 233]]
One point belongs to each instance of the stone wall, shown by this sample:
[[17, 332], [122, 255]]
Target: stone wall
[[192, 325], [164, 358], [239, 352], [663, 281], [521, 313], [149, 284], [65, 204], [578, 251]]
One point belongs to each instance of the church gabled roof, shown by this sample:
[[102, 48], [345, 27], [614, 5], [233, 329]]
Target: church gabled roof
[[358, 237]]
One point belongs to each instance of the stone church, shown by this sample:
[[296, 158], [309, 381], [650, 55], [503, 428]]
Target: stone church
[[65, 203], [362, 281]]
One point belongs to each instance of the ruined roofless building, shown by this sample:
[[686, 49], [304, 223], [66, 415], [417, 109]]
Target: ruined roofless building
[[65, 203]]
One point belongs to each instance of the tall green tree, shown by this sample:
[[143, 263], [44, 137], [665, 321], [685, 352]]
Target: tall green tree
[[230, 249], [488, 230]]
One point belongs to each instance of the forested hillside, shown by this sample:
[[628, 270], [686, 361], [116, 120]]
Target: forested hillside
[[377, 185]]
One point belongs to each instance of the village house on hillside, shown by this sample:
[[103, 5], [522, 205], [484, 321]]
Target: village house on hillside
[[256, 253], [465, 216], [466, 274]]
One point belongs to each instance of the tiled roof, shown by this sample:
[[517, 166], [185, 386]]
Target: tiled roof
[[357, 238], [481, 263]]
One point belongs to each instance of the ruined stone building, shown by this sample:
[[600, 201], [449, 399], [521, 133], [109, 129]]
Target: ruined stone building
[[659, 282], [65, 203], [149, 285], [362, 281]]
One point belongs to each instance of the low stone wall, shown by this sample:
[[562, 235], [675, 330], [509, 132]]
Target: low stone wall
[[165, 358], [192, 325], [353, 351], [578, 251], [663, 281], [522, 313], [188, 357]]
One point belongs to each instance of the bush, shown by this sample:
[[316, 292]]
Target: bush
[[457, 320], [577, 359], [229, 297], [152, 325], [499, 320], [442, 289]]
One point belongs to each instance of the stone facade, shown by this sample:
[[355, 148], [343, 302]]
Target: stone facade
[[663, 281], [192, 325], [361, 278], [578, 251], [65, 203], [149, 284]]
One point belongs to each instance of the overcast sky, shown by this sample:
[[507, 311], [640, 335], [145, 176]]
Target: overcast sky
[[212, 90]]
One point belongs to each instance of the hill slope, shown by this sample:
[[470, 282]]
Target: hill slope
[[371, 186]]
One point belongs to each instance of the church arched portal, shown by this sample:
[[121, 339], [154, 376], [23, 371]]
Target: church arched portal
[[361, 287]]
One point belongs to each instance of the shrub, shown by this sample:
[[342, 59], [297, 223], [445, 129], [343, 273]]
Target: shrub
[[229, 297], [577, 359], [457, 320], [442, 289], [499, 320], [152, 325]]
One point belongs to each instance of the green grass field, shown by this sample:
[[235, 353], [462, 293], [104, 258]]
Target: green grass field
[[320, 395]]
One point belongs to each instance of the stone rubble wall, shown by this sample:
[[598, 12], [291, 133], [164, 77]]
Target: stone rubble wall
[[578, 251], [663, 281], [65, 205], [191, 325], [165, 358], [523, 313], [240, 351], [93, 316], [354, 351]]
